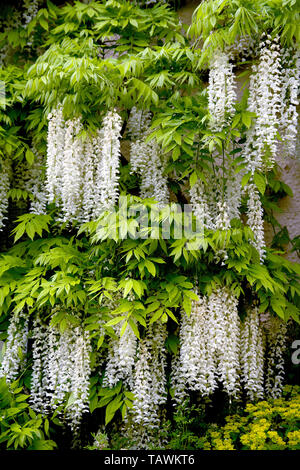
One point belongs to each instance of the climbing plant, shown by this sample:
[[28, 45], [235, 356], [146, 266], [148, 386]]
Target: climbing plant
[[136, 183]]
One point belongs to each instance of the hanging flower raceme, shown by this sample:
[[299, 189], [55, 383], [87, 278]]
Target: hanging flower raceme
[[39, 390], [290, 87], [209, 346], [252, 354], [144, 409], [35, 185], [72, 171], [276, 344], [255, 219], [153, 184], [244, 47], [217, 348], [61, 353], [145, 158], [138, 123], [218, 205], [61, 367], [195, 365], [218, 202], [30, 12], [80, 379], [265, 99], [215, 207], [92, 156], [223, 338], [55, 153], [222, 219], [82, 174], [107, 171], [156, 337], [201, 204], [233, 193], [5, 173], [206, 204], [15, 347], [121, 358], [221, 91], [149, 387]]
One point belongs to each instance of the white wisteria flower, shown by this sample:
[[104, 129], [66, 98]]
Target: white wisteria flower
[[221, 91], [107, 169], [149, 387], [276, 330], [265, 99], [15, 347], [255, 219], [61, 368], [35, 184], [121, 358], [209, 346], [288, 125], [252, 354], [146, 159], [82, 173], [5, 175]]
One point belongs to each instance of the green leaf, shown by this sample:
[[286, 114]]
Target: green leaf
[[123, 328], [193, 179], [134, 328], [151, 267], [156, 315], [46, 426], [172, 343], [114, 321], [191, 294], [128, 287], [129, 395], [138, 288], [171, 315], [133, 22], [235, 120], [153, 306], [245, 179], [111, 409], [260, 182], [287, 189], [43, 23], [100, 342], [71, 400], [21, 397], [32, 224], [176, 152], [187, 305], [246, 120], [93, 403], [29, 155]]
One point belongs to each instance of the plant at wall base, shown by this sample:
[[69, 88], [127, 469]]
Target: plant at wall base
[[267, 425], [189, 425]]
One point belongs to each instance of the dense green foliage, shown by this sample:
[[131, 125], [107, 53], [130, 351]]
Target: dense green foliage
[[20, 426], [219, 23], [92, 57]]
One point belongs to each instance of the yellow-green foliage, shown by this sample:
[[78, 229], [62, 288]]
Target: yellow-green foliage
[[266, 425]]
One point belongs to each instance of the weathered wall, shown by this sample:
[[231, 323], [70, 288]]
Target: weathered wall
[[290, 217]]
